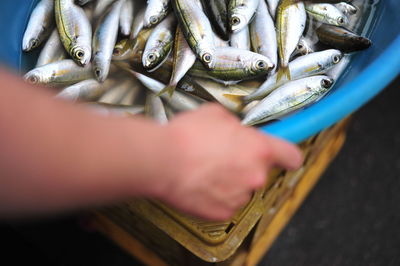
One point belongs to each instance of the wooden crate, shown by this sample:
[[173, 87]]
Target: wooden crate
[[159, 235]]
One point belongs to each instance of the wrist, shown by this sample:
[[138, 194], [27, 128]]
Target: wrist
[[164, 161], [148, 159]]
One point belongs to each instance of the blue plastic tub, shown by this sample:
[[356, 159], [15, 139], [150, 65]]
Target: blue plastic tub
[[370, 71]]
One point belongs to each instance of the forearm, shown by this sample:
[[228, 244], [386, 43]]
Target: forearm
[[58, 156]]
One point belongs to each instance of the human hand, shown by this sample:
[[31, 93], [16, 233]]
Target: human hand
[[214, 164]]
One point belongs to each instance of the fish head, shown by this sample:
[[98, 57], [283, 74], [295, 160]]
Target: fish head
[[119, 47], [261, 64], [364, 43], [237, 22], [154, 14], [326, 84], [100, 69], [81, 54], [30, 44], [123, 50], [347, 8], [341, 20], [336, 57], [326, 60], [151, 21], [150, 59], [34, 77], [207, 58], [352, 10], [304, 48]]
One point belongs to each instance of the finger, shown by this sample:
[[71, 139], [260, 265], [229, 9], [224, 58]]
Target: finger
[[280, 153], [243, 199], [258, 181]]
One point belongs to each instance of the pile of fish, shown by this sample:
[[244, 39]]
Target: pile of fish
[[261, 59]]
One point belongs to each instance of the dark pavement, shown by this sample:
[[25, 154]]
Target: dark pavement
[[350, 218]]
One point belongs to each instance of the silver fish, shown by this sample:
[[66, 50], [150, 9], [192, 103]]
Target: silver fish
[[87, 90], [116, 95], [115, 109], [130, 97], [241, 39], [126, 17], [306, 46], [104, 40], [159, 44], [184, 58], [219, 91], [220, 43], [336, 71], [64, 72], [292, 96], [100, 7], [75, 30], [263, 34], [233, 65], [156, 11], [197, 29], [155, 108], [347, 8], [241, 12], [136, 90], [178, 100], [272, 6], [304, 66], [290, 23], [52, 51], [138, 24], [40, 25], [327, 13]]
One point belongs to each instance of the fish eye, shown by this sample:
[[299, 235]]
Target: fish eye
[[235, 21], [34, 43], [326, 83], [336, 59], [97, 72], [80, 54], [116, 51], [261, 64], [207, 58], [300, 46], [153, 20], [341, 20], [151, 57], [33, 80]]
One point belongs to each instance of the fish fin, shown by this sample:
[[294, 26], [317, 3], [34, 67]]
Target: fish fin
[[283, 71], [238, 99], [170, 89]]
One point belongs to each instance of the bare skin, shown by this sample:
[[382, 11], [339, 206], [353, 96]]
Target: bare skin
[[57, 157]]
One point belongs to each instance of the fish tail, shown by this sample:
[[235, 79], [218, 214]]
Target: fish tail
[[283, 71], [238, 99], [170, 89]]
